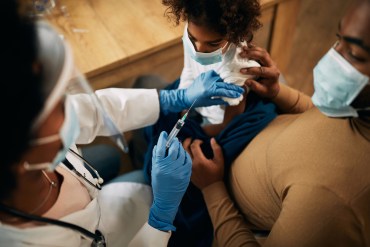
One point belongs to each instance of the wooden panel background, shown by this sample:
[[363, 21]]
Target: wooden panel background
[[316, 27]]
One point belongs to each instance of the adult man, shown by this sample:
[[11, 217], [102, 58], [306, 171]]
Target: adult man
[[305, 177]]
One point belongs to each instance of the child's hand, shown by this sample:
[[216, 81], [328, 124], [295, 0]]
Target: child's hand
[[267, 84]]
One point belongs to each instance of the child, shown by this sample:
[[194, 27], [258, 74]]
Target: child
[[213, 36], [225, 61]]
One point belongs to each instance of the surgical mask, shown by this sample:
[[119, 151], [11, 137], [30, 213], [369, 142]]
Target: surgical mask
[[68, 135], [337, 83], [200, 57]]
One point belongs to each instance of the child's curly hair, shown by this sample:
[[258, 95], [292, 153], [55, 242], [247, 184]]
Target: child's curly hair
[[234, 19]]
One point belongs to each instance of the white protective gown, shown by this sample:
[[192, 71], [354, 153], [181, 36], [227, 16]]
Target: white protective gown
[[120, 210]]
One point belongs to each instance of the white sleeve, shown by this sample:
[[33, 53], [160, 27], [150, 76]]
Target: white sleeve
[[129, 109], [150, 237], [187, 74]]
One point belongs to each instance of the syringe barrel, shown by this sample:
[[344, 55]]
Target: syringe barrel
[[174, 132]]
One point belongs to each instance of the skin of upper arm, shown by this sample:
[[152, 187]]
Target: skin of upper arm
[[230, 112], [233, 111]]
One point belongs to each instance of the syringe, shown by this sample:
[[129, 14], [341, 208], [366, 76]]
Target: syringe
[[176, 130], [179, 124]]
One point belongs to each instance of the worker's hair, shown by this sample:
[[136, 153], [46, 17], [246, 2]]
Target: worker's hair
[[234, 19], [20, 99]]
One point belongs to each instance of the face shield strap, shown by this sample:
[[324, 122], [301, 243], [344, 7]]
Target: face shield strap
[[35, 167], [45, 140], [56, 59]]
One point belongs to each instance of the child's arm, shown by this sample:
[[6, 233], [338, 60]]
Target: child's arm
[[230, 112]]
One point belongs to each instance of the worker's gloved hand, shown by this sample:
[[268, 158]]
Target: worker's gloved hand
[[207, 89], [170, 179]]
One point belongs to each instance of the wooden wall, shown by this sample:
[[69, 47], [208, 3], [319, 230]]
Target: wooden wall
[[317, 25]]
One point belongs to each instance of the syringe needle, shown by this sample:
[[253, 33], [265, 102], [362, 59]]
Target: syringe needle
[[186, 114], [192, 104]]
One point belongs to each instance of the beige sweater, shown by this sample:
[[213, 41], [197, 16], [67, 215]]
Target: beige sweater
[[305, 177]]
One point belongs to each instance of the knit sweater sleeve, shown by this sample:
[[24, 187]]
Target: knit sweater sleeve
[[314, 216], [230, 228], [290, 100], [310, 216]]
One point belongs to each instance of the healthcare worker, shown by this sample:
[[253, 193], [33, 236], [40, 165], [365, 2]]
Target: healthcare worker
[[47, 196]]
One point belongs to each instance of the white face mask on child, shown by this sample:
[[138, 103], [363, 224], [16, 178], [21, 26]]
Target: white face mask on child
[[201, 57]]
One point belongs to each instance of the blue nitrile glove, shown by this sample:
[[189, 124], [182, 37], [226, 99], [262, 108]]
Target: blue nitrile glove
[[207, 88], [170, 179]]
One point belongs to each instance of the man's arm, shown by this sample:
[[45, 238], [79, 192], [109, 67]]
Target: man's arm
[[267, 83], [293, 101], [230, 228], [311, 215]]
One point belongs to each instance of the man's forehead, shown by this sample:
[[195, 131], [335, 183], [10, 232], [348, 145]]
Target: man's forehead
[[356, 24]]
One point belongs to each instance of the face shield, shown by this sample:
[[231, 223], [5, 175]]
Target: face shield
[[62, 80]]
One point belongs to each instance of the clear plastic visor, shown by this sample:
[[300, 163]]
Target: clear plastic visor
[[63, 80]]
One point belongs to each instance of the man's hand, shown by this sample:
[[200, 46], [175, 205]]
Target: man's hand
[[267, 84], [205, 171]]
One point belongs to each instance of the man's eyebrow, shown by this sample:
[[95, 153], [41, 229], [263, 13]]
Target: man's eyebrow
[[352, 40], [213, 41], [357, 42]]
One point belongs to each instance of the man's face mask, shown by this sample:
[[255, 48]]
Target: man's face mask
[[337, 83], [200, 57]]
